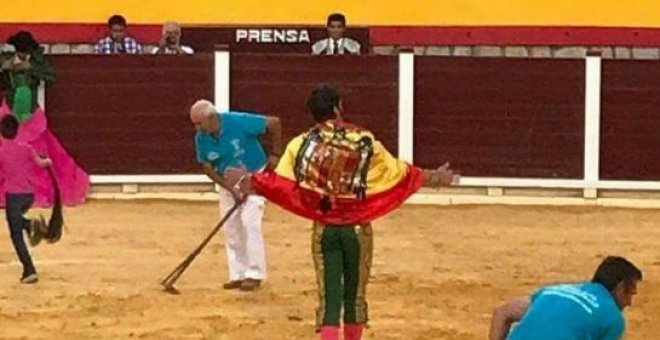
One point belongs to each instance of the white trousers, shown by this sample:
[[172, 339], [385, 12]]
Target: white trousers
[[244, 240]]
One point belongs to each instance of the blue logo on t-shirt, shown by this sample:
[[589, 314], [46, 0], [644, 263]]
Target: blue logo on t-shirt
[[237, 144]]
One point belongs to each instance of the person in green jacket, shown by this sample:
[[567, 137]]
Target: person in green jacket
[[21, 72]]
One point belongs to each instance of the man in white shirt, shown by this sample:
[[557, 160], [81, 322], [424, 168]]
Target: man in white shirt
[[170, 42], [336, 43]]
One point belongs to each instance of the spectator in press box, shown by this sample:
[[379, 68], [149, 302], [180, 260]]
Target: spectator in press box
[[117, 42], [170, 42], [336, 43]]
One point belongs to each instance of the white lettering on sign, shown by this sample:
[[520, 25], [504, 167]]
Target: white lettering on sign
[[270, 36], [280, 35], [267, 36], [241, 34], [304, 36], [254, 35]]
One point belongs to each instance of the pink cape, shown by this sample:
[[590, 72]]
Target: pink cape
[[72, 179]]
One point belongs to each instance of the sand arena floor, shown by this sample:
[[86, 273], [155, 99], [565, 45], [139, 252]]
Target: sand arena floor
[[438, 272]]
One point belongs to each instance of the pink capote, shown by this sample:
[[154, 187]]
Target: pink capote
[[72, 179]]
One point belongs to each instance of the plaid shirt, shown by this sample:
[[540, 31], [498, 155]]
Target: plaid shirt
[[107, 46]]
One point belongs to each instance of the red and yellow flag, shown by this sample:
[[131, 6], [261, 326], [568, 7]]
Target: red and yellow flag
[[389, 182]]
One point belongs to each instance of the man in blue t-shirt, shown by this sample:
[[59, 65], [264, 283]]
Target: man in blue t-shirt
[[589, 310], [233, 140]]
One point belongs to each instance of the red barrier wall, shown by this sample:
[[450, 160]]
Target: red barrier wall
[[490, 117], [630, 120], [280, 84], [500, 117], [128, 115]]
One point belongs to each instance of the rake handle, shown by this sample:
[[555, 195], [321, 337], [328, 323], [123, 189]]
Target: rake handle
[[169, 281]]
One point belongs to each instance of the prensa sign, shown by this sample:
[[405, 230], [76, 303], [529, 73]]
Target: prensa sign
[[272, 36], [265, 39]]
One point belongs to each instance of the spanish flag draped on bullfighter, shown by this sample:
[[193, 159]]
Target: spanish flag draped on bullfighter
[[338, 173]]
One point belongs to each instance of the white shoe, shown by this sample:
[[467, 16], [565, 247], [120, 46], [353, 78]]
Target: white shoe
[[30, 279]]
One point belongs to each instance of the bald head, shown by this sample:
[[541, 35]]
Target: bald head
[[204, 115], [171, 33], [201, 109], [171, 26]]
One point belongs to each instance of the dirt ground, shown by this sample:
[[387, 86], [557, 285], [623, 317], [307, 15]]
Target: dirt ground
[[438, 272]]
